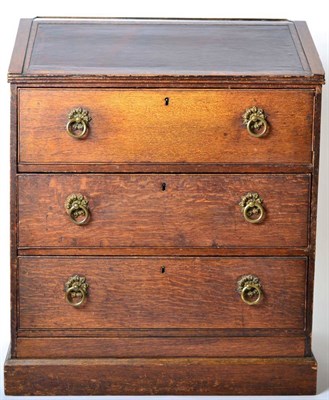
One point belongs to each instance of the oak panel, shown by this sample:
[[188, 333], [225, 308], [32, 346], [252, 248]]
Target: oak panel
[[198, 126], [137, 293], [96, 347], [134, 211], [150, 376]]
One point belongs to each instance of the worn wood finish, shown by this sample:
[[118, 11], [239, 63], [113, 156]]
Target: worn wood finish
[[95, 347], [313, 214], [136, 126], [164, 251], [142, 376], [145, 333], [135, 211], [195, 227], [13, 219], [168, 168], [309, 48], [190, 293], [174, 82], [19, 52]]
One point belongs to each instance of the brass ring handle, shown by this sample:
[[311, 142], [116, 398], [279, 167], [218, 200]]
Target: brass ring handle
[[69, 298], [250, 289], [85, 210], [76, 288], [77, 205], [69, 128], [246, 290], [261, 121], [251, 208], [78, 123], [255, 120]]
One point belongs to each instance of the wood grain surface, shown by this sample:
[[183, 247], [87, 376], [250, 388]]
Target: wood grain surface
[[134, 211], [158, 333], [165, 251], [166, 242], [149, 376], [13, 217], [18, 56], [167, 168], [97, 347], [137, 293], [199, 126]]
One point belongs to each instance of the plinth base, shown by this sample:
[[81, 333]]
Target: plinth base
[[167, 376]]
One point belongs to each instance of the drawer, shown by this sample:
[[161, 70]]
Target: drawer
[[177, 211], [156, 293], [183, 345], [136, 126]]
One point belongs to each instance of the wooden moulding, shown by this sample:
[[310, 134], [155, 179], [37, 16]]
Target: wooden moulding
[[167, 376]]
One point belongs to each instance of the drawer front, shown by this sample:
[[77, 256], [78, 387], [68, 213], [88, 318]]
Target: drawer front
[[180, 211], [198, 126], [156, 346], [162, 293]]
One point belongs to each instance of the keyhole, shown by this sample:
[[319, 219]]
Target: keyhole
[[166, 101], [164, 186], [163, 269]]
